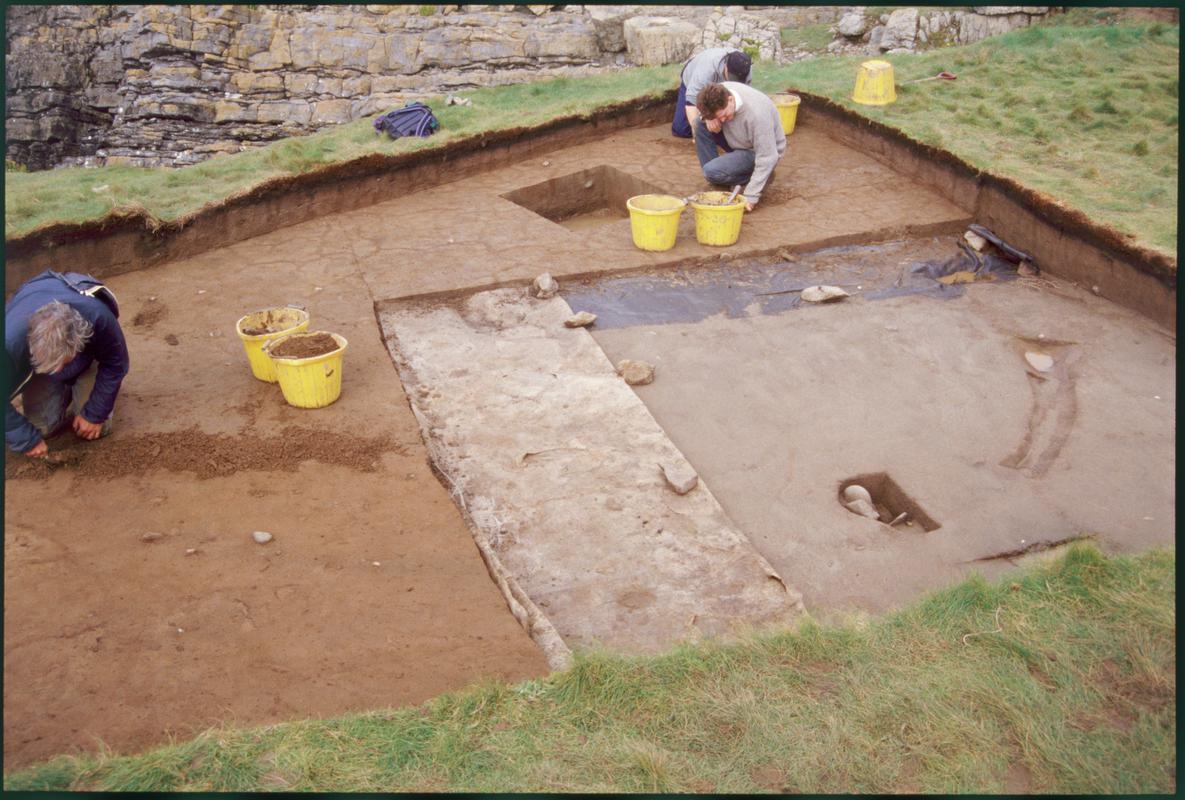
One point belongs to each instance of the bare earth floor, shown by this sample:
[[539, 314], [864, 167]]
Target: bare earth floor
[[374, 594]]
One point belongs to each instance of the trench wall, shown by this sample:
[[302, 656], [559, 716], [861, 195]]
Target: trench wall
[[1062, 241]]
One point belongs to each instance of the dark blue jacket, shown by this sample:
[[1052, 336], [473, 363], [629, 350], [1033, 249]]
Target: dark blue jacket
[[106, 347]]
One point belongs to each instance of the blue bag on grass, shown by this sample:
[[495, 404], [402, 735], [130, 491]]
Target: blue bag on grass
[[414, 119]]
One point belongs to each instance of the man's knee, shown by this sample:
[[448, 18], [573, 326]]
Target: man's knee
[[714, 174]]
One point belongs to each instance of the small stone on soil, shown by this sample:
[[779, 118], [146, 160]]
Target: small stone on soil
[[975, 240], [191, 551], [635, 373], [863, 508], [823, 294], [545, 286], [262, 537], [580, 319], [681, 477], [1039, 361], [151, 536]]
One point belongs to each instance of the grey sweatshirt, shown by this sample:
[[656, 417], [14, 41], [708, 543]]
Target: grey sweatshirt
[[757, 126], [704, 68]]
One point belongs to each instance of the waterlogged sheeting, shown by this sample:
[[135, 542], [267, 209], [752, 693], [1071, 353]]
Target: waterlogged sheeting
[[555, 460], [742, 288]]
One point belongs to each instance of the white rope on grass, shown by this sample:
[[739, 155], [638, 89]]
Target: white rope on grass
[[998, 629]]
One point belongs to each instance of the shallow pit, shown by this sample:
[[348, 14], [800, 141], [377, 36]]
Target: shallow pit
[[581, 200], [890, 501]]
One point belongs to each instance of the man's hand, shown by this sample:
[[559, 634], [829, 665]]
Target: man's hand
[[39, 450], [713, 125], [748, 206], [87, 429]]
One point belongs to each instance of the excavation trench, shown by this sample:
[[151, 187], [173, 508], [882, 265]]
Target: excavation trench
[[375, 593]]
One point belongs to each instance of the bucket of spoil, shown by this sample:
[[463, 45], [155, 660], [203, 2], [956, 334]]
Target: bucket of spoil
[[260, 327], [309, 367], [654, 220], [717, 222], [787, 109]]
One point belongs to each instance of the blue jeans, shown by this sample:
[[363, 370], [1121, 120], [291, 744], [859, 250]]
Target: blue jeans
[[732, 168], [49, 405], [679, 125]]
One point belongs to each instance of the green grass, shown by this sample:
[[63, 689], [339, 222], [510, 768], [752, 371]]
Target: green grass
[[1084, 113], [812, 38], [1059, 679], [1087, 113]]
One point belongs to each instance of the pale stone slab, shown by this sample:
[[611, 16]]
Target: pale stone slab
[[552, 458]]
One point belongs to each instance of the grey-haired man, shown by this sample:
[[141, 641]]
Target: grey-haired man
[[56, 327]]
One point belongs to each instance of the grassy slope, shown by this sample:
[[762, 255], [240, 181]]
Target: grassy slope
[[1061, 679], [1088, 114]]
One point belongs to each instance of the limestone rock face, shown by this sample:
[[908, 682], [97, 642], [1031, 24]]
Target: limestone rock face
[[901, 30], [659, 40], [757, 36], [852, 24]]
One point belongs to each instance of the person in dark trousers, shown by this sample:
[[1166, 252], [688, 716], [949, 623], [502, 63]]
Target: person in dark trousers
[[750, 123], [711, 66], [61, 337]]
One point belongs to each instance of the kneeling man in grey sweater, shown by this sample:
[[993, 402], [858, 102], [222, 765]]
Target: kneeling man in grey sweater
[[752, 128]]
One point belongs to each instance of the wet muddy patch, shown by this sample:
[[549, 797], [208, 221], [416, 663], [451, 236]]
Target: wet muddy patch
[[205, 455]]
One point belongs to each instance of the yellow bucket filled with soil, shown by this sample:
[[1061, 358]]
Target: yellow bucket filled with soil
[[787, 109], [654, 220], [874, 84], [309, 367], [717, 224], [260, 327]]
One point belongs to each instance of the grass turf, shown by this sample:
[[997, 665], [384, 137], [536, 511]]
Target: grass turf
[[1059, 679], [1086, 112]]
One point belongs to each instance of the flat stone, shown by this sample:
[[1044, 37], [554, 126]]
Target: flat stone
[[823, 294], [636, 373], [151, 536], [580, 319], [262, 537], [681, 477], [1041, 362]]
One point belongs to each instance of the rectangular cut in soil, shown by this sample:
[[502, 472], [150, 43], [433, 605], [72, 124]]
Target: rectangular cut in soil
[[584, 199], [555, 462]]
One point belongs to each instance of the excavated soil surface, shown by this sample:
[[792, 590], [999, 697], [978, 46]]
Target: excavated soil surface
[[372, 593]]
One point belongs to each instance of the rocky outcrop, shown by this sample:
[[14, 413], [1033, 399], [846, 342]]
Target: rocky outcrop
[[659, 40], [910, 29]]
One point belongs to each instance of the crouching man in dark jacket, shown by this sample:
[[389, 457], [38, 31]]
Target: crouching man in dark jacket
[[56, 328]]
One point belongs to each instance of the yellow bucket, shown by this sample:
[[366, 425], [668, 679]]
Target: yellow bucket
[[312, 382], [874, 84], [716, 224], [654, 220], [787, 109], [276, 322]]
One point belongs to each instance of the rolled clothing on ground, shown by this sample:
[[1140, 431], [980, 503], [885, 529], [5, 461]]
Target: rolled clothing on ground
[[698, 71], [757, 140], [106, 348]]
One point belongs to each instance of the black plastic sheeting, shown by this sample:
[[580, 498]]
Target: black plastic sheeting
[[738, 289]]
